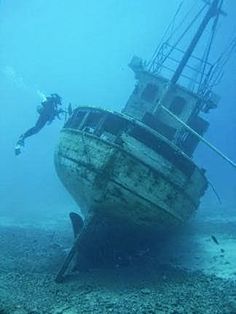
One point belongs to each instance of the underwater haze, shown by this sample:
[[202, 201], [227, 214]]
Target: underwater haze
[[80, 49]]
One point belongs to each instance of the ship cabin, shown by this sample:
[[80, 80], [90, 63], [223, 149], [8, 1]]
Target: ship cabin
[[181, 101], [141, 119], [123, 131]]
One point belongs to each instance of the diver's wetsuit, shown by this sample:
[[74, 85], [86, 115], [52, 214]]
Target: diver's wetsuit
[[48, 113]]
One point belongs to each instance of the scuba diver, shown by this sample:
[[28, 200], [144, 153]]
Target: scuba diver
[[48, 111]]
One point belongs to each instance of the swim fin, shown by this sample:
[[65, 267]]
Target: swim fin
[[17, 150], [19, 145]]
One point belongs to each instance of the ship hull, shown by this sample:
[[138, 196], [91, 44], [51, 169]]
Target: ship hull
[[124, 185]]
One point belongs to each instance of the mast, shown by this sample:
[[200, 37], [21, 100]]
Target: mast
[[212, 11]]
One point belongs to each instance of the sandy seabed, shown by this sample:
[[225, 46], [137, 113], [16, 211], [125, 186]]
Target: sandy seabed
[[192, 274]]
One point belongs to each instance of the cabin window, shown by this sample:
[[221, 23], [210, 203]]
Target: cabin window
[[112, 127], [75, 120], [150, 93], [91, 121], [114, 124], [177, 105]]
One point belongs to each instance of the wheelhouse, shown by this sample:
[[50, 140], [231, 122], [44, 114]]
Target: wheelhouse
[[115, 128]]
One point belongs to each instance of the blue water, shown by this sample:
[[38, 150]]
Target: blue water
[[80, 49]]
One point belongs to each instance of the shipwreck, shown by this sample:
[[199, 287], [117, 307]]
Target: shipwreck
[[132, 173]]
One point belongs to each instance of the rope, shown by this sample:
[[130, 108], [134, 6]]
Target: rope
[[215, 192], [85, 149]]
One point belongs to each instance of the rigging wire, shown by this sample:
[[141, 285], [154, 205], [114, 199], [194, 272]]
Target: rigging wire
[[209, 74], [192, 9], [219, 65], [172, 33], [166, 31], [184, 33], [203, 82]]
